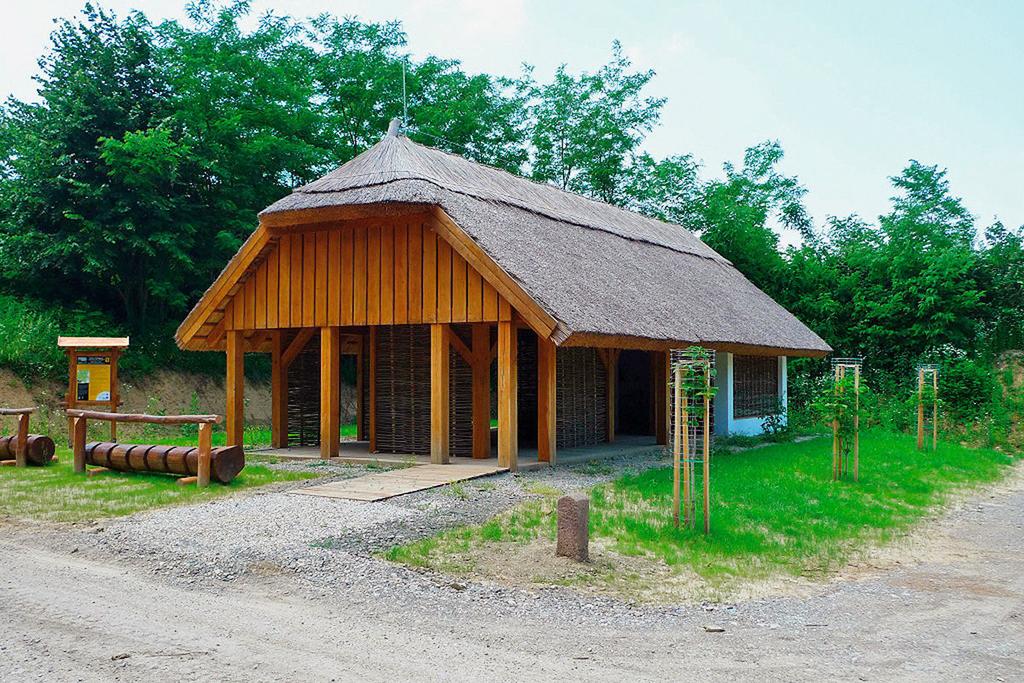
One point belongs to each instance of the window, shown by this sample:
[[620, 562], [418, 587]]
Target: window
[[755, 386]]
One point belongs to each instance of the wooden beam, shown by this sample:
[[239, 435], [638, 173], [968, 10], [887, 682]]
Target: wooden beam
[[296, 346], [235, 387], [481, 365], [461, 348], [330, 392], [440, 337], [508, 414], [620, 341], [546, 405], [21, 445], [360, 355], [203, 459], [371, 400], [278, 393]]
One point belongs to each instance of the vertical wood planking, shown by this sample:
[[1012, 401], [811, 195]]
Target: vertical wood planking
[[309, 279], [474, 295], [250, 303], [260, 321], [373, 276], [387, 275], [321, 279], [490, 303], [415, 272], [401, 278], [297, 282], [429, 275], [273, 308], [284, 292], [359, 277], [347, 258], [444, 281], [334, 275], [458, 288]]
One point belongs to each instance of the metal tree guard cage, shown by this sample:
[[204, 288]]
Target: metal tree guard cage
[[841, 450], [691, 384], [927, 374]]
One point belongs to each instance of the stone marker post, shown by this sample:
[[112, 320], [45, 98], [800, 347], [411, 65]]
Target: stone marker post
[[574, 527]]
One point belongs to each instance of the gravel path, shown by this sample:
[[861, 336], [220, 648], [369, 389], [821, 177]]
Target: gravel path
[[275, 586]]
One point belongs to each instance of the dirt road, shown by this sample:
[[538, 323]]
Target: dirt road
[[951, 606]]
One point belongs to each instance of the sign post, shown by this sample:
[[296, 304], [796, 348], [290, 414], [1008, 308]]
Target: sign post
[[92, 374]]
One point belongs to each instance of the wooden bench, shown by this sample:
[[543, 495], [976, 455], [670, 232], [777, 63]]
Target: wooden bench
[[22, 449], [193, 464]]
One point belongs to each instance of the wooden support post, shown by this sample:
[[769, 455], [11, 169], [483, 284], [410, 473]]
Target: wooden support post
[[330, 392], [481, 353], [547, 443], [278, 392], [508, 411], [78, 427], [677, 441], [235, 387], [371, 400], [22, 443], [360, 388], [440, 348], [707, 447], [921, 409], [935, 409], [72, 390], [662, 402], [115, 398], [205, 448]]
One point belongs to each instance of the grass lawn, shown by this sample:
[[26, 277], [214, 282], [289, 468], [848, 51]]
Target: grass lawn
[[56, 494], [774, 510]]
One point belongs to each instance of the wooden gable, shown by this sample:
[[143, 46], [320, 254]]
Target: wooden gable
[[393, 271]]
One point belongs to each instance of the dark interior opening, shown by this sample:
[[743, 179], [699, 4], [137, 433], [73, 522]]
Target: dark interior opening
[[633, 409]]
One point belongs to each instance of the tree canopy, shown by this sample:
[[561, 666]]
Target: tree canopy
[[140, 169]]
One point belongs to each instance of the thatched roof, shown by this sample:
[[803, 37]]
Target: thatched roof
[[598, 270]]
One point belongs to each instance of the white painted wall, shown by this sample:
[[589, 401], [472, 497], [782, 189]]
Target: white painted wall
[[725, 423]]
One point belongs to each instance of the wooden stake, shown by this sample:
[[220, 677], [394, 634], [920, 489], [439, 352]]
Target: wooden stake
[[78, 426], [676, 443], [835, 432], [687, 484], [920, 408], [707, 447], [856, 421], [21, 446], [205, 447], [935, 409]]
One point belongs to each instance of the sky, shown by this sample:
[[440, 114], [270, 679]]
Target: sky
[[853, 90]]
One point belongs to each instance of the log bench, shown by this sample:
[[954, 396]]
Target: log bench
[[194, 464], [22, 449]]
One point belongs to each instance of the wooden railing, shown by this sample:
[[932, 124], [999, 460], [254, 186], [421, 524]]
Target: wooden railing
[[205, 423], [20, 456]]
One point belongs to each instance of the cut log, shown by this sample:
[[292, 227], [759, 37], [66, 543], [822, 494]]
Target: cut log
[[39, 449], [225, 462]]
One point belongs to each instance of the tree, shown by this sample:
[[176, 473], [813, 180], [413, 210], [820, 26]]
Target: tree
[[587, 128], [737, 212], [669, 189]]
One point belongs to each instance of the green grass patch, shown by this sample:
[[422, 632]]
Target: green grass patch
[[56, 494], [774, 510]]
